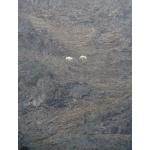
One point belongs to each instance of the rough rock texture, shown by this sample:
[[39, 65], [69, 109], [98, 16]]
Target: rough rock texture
[[76, 105]]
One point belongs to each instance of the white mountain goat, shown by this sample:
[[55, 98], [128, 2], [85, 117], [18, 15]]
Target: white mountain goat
[[69, 58], [83, 57]]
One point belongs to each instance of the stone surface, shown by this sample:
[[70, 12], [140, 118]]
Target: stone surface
[[76, 105]]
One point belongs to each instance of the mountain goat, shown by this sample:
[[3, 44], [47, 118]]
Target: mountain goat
[[69, 58], [82, 57]]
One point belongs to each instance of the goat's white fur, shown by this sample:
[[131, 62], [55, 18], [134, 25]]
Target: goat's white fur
[[82, 57], [69, 58]]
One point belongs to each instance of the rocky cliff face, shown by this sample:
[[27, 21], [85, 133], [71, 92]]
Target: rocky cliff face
[[78, 104]]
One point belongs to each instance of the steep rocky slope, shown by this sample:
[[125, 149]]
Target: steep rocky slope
[[81, 105]]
